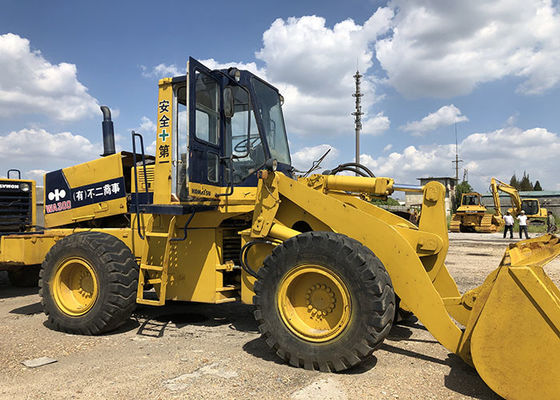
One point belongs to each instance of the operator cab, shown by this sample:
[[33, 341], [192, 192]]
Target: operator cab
[[531, 207], [217, 129], [470, 199]]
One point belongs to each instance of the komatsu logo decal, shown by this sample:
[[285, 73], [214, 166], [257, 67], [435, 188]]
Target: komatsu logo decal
[[201, 192], [57, 195], [8, 186]]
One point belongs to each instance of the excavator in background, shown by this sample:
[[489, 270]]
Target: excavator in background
[[218, 216], [532, 207], [473, 216]]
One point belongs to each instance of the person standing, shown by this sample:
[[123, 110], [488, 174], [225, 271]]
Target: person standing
[[522, 218], [551, 223], [413, 217], [509, 221]]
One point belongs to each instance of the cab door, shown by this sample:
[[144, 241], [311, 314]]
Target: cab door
[[205, 130]]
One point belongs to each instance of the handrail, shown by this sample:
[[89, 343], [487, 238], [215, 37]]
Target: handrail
[[14, 170], [136, 200]]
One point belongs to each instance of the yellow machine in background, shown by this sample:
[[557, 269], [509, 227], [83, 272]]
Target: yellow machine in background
[[532, 207], [218, 216], [472, 216], [18, 214]]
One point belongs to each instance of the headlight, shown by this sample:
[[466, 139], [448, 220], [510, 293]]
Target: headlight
[[24, 187]]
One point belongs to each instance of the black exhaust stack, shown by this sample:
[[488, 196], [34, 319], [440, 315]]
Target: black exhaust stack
[[108, 132]]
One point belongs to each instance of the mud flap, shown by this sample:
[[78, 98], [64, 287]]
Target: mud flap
[[514, 330]]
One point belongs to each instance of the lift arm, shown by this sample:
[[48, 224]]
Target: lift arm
[[497, 185]]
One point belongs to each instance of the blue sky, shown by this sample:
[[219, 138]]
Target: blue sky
[[427, 65]]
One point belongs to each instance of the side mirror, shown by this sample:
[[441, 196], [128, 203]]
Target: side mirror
[[228, 102]]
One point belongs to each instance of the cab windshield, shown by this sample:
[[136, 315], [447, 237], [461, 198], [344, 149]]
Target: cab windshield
[[471, 200], [269, 107], [531, 207]]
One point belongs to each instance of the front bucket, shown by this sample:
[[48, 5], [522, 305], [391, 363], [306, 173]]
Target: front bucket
[[514, 329]]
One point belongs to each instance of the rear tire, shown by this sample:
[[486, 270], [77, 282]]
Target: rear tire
[[323, 301], [27, 276], [88, 283]]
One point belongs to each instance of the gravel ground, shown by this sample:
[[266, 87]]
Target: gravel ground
[[199, 351]]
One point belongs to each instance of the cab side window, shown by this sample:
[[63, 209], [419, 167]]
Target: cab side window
[[207, 108]]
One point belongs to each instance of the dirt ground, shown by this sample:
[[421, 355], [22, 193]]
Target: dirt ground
[[193, 351]]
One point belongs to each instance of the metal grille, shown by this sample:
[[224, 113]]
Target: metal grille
[[231, 246], [150, 169], [16, 208]]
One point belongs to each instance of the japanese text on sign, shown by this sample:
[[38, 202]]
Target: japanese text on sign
[[163, 130]]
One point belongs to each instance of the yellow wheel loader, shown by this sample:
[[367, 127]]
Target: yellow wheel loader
[[472, 216], [18, 214], [218, 216]]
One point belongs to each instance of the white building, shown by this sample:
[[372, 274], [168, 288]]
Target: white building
[[413, 199]]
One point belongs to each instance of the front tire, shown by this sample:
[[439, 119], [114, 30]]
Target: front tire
[[88, 283], [323, 301]]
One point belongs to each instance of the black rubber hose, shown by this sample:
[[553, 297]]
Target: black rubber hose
[[352, 169], [341, 167], [243, 256]]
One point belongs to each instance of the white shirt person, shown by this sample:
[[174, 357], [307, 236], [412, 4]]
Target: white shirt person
[[522, 218]]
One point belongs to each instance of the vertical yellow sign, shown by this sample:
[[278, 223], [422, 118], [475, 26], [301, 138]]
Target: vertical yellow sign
[[164, 143]]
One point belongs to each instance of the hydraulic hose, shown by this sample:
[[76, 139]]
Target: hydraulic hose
[[352, 167], [243, 256]]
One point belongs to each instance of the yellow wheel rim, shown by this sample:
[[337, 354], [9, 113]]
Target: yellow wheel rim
[[314, 303], [74, 287]]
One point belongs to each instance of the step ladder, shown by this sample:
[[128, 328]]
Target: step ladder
[[151, 274]]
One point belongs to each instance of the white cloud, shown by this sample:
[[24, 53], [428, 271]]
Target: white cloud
[[29, 84], [303, 159], [170, 70], [252, 67], [28, 149], [499, 154], [440, 48], [375, 125], [147, 129], [387, 148], [313, 66], [37, 175], [445, 116], [162, 71]]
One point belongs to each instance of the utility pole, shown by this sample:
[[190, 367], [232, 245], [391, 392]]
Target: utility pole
[[457, 161], [358, 114]]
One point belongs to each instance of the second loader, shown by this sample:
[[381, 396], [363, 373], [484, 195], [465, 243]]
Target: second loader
[[218, 216], [18, 214]]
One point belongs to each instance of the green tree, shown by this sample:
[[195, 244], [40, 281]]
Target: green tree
[[514, 182], [525, 184], [463, 187], [389, 202], [537, 187]]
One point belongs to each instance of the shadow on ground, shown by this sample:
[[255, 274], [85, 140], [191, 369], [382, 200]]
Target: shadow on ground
[[8, 291], [462, 378], [157, 321], [30, 309], [258, 348]]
